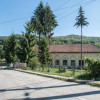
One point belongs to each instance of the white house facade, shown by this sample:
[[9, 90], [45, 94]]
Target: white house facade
[[70, 55]]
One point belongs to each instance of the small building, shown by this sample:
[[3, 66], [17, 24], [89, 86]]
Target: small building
[[70, 54]]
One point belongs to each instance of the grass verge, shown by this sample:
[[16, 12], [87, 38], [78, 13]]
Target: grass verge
[[79, 74]]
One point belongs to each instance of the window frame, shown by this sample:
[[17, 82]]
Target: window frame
[[74, 63], [64, 64], [57, 62], [83, 62]]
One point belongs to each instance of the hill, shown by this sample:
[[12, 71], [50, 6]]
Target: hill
[[70, 39], [75, 39]]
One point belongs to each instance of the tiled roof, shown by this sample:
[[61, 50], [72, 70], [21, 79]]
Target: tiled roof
[[73, 48]]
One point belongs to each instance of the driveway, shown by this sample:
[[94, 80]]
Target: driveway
[[23, 86]]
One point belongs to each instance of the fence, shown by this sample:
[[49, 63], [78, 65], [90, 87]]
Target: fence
[[15, 65], [3, 65], [54, 70], [20, 65]]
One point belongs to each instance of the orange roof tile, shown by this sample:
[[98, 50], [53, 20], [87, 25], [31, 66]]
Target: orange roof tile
[[74, 48]]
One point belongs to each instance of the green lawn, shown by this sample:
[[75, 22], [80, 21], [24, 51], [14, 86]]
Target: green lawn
[[80, 74], [67, 73]]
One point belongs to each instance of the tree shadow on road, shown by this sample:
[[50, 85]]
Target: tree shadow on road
[[61, 96], [38, 88]]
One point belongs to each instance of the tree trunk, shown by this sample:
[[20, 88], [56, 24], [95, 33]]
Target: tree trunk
[[39, 48], [49, 41], [39, 38], [81, 49]]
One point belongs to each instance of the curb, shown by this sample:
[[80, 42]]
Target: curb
[[70, 79]]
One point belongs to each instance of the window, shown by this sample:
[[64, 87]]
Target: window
[[57, 62], [73, 63], [64, 62], [80, 62]]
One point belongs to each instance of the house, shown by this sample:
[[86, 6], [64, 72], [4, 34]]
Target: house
[[70, 54]]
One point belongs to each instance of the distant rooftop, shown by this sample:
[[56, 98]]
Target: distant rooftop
[[73, 48]]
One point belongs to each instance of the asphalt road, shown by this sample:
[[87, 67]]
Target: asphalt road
[[23, 86]]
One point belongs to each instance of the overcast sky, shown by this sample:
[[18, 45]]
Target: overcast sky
[[15, 13]]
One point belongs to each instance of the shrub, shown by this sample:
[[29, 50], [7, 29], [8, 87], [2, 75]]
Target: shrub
[[34, 63], [93, 67]]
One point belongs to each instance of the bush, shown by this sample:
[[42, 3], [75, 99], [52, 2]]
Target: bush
[[34, 63], [93, 67]]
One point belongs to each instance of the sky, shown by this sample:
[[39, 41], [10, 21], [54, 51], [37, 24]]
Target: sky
[[15, 13]]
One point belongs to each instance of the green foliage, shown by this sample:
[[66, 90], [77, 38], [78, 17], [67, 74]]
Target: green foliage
[[93, 67], [21, 50], [81, 20], [37, 20], [70, 39], [49, 21], [34, 63], [10, 49], [75, 39], [2, 39], [1, 52], [43, 22], [44, 54], [26, 49]]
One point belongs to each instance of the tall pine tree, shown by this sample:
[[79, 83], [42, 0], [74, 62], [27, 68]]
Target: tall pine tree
[[49, 21], [26, 50], [21, 50], [10, 49], [44, 55], [43, 21], [37, 20], [80, 22]]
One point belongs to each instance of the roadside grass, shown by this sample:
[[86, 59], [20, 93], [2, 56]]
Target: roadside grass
[[76, 73], [2, 63], [87, 76]]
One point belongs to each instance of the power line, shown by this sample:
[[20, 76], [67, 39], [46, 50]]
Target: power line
[[27, 17], [14, 20], [62, 5], [87, 3], [31, 16], [69, 6], [54, 10], [75, 6]]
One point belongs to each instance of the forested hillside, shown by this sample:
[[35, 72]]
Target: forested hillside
[[4, 38], [70, 39], [75, 39]]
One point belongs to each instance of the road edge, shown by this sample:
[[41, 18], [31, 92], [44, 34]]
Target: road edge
[[69, 79]]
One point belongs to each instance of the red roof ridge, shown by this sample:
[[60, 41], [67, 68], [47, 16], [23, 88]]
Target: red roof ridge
[[74, 48]]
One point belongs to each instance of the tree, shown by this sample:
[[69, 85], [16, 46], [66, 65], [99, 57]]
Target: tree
[[21, 50], [10, 49], [81, 21], [44, 21], [44, 55], [50, 22], [26, 50], [1, 52], [37, 20]]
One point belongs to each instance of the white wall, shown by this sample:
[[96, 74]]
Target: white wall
[[72, 56]]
